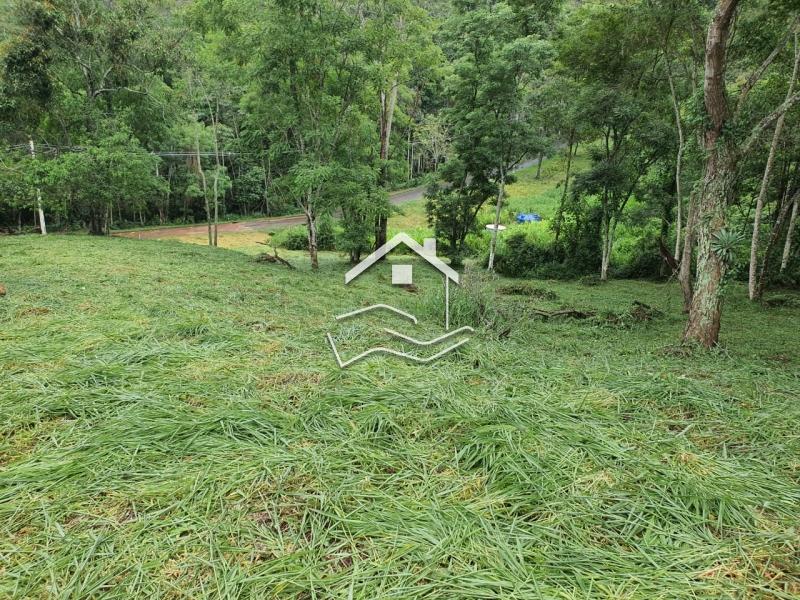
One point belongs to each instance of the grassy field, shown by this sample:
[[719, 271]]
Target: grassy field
[[174, 426]]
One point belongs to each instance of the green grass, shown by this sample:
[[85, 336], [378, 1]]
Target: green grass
[[542, 195], [174, 426]]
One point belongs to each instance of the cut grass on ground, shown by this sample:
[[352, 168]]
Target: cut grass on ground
[[174, 426]]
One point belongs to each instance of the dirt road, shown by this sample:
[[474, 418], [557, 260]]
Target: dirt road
[[399, 197]]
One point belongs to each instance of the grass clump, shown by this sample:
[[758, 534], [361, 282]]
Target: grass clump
[[174, 425], [782, 300]]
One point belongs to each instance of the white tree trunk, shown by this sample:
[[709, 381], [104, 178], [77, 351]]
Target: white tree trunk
[[607, 245], [787, 247], [500, 192], [39, 209], [752, 288], [678, 162], [205, 189]]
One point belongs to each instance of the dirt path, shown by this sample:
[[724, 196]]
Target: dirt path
[[399, 197]]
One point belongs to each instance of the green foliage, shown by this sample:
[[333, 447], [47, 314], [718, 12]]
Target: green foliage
[[638, 256], [20, 175], [496, 60], [296, 238], [621, 102], [115, 171], [250, 188], [452, 212], [287, 102], [521, 256], [361, 201]]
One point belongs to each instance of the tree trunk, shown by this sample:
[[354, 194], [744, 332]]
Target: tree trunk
[[685, 270], [539, 165], [218, 167], [559, 214], [39, 209], [95, 226], [787, 247], [705, 312], [752, 286], [106, 220], [388, 103], [410, 156], [216, 211], [311, 223], [678, 162], [267, 177], [205, 190], [605, 257], [500, 192], [773, 239]]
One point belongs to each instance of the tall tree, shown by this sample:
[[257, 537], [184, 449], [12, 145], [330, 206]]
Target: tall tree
[[608, 51], [495, 61], [311, 77], [398, 34], [724, 146]]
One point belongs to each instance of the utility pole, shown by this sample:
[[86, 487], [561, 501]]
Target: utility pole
[[39, 209]]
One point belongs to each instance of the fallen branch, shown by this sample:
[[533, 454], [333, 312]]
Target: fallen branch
[[567, 312], [273, 258]]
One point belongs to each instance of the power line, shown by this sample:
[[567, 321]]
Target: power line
[[49, 148]]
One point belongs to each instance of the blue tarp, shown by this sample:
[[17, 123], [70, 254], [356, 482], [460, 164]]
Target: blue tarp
[[528, 218]]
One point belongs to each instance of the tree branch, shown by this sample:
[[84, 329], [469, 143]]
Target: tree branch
[[759, 72], [96, 93], [767, 122]]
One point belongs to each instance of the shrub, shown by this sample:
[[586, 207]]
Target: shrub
[[292, 238], [296, 238], [472, 303], [521, 255], [641, 258], [782, 300], [590, 280]]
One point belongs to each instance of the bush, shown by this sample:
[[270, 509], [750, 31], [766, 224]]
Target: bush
[[296, 238], [641, 258], [522, 256], [782, 300], [590, 280]]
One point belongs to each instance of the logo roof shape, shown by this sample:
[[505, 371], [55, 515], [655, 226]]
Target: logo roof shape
[[401, 238]]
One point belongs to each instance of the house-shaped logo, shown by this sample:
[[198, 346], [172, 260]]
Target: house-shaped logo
[[402, 274]]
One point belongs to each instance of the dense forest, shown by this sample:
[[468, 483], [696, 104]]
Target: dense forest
[[118, 113]]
